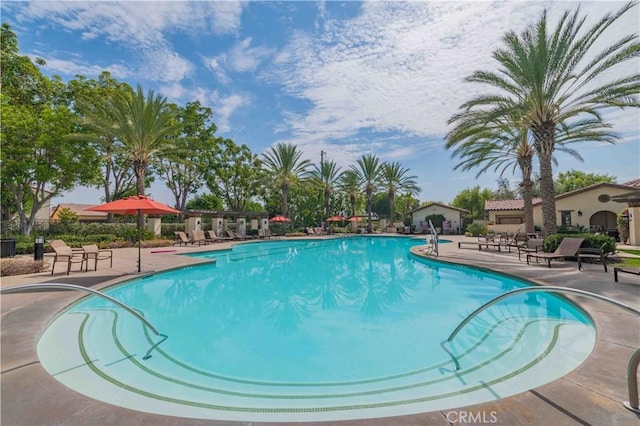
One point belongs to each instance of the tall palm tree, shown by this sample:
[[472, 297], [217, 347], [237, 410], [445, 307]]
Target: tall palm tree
[[141, 124], [350, 185], [394, 179], [326, 176], [284, 165], [368, 170], [555, 78], [507, 145]]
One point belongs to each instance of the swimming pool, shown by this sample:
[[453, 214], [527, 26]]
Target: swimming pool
[[314, 330]]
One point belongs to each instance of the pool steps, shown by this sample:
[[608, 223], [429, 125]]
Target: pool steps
[[122, 378]]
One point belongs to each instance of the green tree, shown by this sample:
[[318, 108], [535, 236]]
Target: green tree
[[284, 165], [394, 179], [185, 165], [37, 160], [204, 202], [234, 173], [575, 179], [93, 97], [405, 203], [473, 199], [326, 177], [368, 169], [350, 185], [551, 79]]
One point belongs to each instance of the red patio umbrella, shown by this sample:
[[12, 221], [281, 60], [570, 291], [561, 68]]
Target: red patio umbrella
[[135, 205], [336, 218], [279, 218], [354, 219]]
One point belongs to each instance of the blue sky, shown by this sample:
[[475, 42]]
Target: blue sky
[[346, 78]]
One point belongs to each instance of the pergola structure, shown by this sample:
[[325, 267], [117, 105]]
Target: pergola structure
[[220, 220], [633, 201]]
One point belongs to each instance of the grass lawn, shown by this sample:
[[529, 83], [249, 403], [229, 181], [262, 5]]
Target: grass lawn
[[630, 262]]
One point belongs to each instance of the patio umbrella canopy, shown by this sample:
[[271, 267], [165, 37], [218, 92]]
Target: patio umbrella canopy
[[279, 218], [135, 205], [336, 218]]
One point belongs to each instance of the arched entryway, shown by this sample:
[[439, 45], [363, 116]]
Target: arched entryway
[[603, 220]]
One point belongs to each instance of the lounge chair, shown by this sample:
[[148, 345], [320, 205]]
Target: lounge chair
[[233, 236], [264, 233], [197, 237], [215, 237], [593, 254], [64, 253], [532, 245], [181, 238], [92, 252], [311, 231], [489, 241], [568, 247]]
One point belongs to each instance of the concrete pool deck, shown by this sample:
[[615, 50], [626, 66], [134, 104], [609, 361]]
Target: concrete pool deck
[[591, 394]]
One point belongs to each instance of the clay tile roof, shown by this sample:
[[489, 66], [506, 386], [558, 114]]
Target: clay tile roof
[[79, 209], [632, 183], [506, 204]]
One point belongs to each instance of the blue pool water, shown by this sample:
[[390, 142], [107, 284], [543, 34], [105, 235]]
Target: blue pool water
[[299, 330]]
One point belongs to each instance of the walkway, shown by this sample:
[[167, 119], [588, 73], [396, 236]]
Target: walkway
[[591, 394]]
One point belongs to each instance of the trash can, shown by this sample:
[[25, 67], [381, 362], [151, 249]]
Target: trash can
[[7, 247]]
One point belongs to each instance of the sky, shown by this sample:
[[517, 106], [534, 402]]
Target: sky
[[344, 78]]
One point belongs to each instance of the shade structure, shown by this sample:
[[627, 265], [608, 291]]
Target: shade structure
[[279, 218], [135, 205], [336, 218], [354, 219]]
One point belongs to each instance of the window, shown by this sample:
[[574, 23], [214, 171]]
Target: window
[[604, 198], [565, 217]]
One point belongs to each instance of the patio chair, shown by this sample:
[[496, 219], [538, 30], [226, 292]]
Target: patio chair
[[264, 233], [215, 237], [64, 253], [532, 245], [568, 247], [311, 231], [92, 252], [181, 238], [197, 237]]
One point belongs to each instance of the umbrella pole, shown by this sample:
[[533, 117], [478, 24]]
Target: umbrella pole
[[139, 238]]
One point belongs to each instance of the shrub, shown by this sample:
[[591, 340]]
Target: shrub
[[167, 229], [476, 229], [552, 242]]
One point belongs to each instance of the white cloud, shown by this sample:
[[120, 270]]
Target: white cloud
[[400, 66], [139, 26], [224, 107]]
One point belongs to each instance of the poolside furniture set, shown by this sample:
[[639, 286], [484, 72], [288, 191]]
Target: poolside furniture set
[[64, 253], [533, 248]]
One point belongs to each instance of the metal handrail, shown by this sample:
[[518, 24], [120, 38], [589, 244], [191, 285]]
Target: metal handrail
[[434, 237], [632, 366], [61, 286]]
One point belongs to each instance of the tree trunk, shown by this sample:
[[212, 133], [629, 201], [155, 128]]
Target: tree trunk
[[392, 196], [285, 206], [549, 224], [327, 207], [140, 171], [369, 202], [526, 192]]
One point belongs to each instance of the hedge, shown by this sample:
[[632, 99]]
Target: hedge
[[552, 242]]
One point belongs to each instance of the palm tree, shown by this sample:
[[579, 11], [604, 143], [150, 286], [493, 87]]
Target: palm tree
[[350, 185], [393, 177], [506, 145], [141, 124], [283, 163], [326, 176], [368, 170], [552, 79]]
